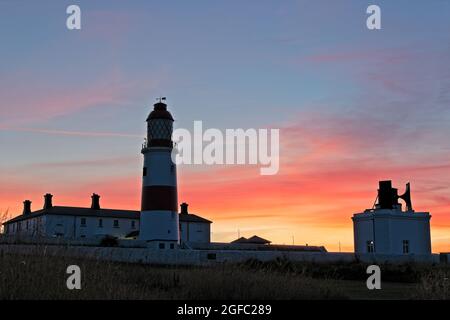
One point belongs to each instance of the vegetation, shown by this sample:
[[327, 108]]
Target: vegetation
[[44, 277], [109, 241], [4, 216]]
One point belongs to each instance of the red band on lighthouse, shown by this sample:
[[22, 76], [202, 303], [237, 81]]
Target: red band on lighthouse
[[159, 198]]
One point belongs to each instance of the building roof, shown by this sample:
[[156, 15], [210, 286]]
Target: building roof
[[77, 211], [257, 247], [190, 217], [133, 234], [252, 240], [186, 216], [105, 213], [160, 112], [240, 240]]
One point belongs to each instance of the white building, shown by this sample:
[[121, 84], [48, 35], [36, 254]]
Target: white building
[[193, 229], [387, 229], [72, 222], [94, 222]]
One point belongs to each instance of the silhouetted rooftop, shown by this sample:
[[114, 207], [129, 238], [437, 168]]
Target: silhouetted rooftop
[[77, 211], [160, 112], [106, 213], [252, 240]]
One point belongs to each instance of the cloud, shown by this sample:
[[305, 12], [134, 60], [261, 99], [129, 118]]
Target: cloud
[[119, 161], [386, 57], [42, 104], [73, 133]]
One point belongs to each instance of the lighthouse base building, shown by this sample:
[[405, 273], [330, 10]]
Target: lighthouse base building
[[387, 229]]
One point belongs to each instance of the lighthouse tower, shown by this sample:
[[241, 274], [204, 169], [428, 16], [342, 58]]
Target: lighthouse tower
[[159, 216]]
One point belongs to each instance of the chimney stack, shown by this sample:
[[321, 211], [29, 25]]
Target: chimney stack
[[48, 201], [27, 207], [95, 201], [184, 208]]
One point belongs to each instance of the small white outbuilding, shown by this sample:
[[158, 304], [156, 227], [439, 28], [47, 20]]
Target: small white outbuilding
[[387, 229]]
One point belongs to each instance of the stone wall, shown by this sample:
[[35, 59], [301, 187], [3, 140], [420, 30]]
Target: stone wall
[[202, 257]]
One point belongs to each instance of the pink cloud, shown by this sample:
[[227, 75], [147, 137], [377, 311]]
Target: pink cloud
[[392, 56], [18, 109], [119, 161], [73, 133]]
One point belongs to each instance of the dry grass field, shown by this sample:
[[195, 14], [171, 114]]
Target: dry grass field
[[44, 277]]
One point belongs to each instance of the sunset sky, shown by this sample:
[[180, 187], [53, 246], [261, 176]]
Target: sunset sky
[[353, 107]]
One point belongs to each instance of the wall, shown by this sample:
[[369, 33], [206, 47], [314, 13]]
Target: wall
[[70, 227], [92, 228], [195, 232], [30, 227], [203, 257], [391, 228]]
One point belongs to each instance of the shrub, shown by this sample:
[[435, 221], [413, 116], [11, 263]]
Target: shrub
[[109, 241]]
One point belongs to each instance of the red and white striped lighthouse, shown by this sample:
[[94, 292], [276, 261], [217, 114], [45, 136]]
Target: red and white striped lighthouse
[[159, 205]]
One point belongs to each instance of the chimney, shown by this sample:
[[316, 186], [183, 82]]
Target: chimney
[[184, 208], [387, 196], [95, 201], [48, 201], [27, 207]]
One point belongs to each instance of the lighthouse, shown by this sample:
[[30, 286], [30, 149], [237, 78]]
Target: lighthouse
[[159, 204]]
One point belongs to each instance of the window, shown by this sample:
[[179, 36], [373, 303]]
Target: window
[[100, 223], [370, 246], [144, 173], [19, 225], [83, 236], [405, 246], [162, 246], [133, 224], [83, 222], [116, 223], [172, 246], [27, 224]]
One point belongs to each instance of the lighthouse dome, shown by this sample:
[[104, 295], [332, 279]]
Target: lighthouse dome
[[160, 112]]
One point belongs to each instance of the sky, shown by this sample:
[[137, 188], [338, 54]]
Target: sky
[[354, 106]]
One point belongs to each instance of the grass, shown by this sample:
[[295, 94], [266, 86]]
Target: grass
[[44, 277]]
